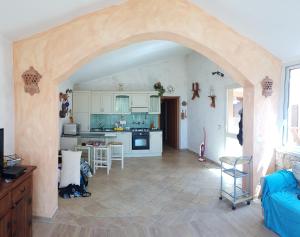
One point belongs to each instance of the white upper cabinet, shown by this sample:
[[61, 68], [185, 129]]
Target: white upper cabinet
[[121, 104], [95, 102], [101, 103], [81, 109], [98, 102], [106, 103], [154, 107], [81, 101], [140, 100]]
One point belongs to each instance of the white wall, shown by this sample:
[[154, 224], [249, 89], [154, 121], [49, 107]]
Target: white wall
[[200, 114], [68, 84], [171, 71], [6, 95]]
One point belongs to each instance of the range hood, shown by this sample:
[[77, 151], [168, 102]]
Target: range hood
[[139, 109]]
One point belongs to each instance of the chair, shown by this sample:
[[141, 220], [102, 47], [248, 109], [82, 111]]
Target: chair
[[102, 158], [70, 172], [117, 156]]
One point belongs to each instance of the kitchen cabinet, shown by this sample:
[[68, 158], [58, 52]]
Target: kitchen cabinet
[[81, 109], [154, 107], [81, 101], [125, 138], [140, 100], [101, 103], [156, 142], [106, 103], [121, 104]]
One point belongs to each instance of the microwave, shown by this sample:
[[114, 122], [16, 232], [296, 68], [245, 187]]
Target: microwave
[[71, 129]]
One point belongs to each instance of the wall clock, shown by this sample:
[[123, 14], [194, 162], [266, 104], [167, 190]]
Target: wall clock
[[170, 89]]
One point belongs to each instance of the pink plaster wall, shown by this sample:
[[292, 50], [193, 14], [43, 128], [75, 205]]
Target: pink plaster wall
[[60, 51]]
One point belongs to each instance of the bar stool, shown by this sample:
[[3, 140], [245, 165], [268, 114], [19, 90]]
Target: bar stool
[[102, 158], [87, 152], [120, 156]]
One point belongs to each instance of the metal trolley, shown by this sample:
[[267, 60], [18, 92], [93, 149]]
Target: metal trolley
[[241, 191]]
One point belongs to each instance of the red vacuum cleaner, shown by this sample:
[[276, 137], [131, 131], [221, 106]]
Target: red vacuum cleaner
[[202, 148]]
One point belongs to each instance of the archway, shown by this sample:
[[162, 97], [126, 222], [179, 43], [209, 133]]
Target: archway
[[57, 53]]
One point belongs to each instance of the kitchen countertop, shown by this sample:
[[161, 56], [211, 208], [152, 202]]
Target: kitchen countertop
[[103, 132]]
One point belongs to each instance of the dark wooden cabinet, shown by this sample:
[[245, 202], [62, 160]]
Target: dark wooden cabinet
[[16, 206]]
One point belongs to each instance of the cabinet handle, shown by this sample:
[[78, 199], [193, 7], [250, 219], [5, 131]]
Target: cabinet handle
[[23, 190]]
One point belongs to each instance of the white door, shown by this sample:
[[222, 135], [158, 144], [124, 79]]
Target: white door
[[156, 142], [84, 120], [139, 100], [95, 103], [234, 110]]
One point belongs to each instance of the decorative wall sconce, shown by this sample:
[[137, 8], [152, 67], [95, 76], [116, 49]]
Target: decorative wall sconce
[[267, 86], [196, 90], [31, 79], [218, 73], [212, 97], [183, 114]]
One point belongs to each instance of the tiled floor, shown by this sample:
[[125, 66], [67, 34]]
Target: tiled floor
[[173, 196]]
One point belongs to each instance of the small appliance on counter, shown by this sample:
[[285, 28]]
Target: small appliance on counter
[[71, 129]]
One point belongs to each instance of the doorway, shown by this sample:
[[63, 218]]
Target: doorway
[[169, 121]]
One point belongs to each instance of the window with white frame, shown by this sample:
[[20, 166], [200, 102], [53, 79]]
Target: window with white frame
[[292, 108]]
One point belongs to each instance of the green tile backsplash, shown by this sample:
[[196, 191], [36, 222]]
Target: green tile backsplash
[[136, 120]]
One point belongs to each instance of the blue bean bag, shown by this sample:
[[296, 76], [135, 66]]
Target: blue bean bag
[[280, 204]]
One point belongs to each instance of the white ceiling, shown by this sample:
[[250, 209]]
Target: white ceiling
[[271, 23], [128, 57]]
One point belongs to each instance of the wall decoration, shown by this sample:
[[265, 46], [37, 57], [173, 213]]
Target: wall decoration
[[183, 114], [196, 90], [170, 89], [31, 79], [267, 86], [63, 98], [158, 87], [218, 73], [212, 97]]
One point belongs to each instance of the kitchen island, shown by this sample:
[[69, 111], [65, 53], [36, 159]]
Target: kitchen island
[[153, 146]]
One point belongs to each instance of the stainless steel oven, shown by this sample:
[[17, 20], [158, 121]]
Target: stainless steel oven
[[140, 139]]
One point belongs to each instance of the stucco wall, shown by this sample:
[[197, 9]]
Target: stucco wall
[[201, 115], [6, 95], [58, 52]]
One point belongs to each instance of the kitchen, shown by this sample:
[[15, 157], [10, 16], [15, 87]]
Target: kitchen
[[129, 117]]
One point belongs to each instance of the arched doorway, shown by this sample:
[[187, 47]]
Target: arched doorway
[[57, 53]]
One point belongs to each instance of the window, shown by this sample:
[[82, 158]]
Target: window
[[292, 109]]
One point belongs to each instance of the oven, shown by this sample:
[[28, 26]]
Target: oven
[[140, 140]]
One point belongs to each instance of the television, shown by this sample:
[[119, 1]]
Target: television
[[1, 150]]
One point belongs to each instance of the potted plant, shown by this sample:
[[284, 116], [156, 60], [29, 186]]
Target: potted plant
[[158, 87]]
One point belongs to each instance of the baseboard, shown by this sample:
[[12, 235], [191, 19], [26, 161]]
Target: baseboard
[[44, 219]]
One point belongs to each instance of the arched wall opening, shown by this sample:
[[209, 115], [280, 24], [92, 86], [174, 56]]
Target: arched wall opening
[[57, 53]]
